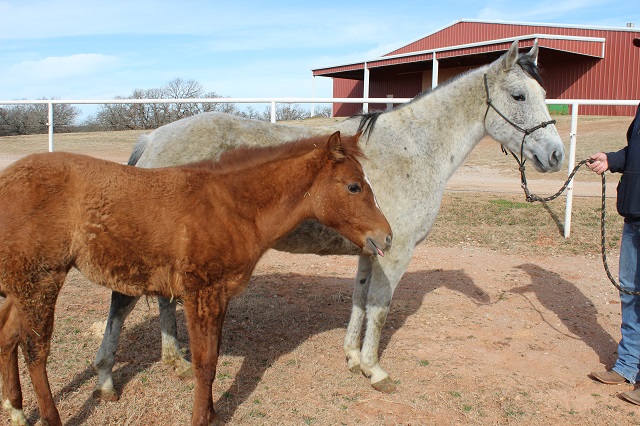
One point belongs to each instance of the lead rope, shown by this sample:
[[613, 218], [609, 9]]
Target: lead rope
[[532, 198]]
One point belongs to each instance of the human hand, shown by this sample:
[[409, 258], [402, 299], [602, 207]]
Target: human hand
[[599, 163]]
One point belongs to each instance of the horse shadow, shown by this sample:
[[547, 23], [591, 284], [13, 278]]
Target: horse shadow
[[279, 312], [274, 316], [576, 311]]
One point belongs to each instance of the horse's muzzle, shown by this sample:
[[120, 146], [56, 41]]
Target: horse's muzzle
[[378, 246]]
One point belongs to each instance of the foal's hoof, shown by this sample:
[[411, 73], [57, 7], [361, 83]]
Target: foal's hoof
[[105, 395], [385, 385], [355, 368], [17, 415]]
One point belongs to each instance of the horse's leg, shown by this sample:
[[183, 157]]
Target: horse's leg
[[121, 307], [205, 316], [385, 275], [359, 301], [170, 349], [9, 339]]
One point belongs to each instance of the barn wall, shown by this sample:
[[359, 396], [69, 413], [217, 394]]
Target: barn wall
[[405, 87], [345, 88]]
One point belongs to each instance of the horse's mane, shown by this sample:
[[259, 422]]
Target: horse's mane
[[530, 67], [246, 156], [368, 120]]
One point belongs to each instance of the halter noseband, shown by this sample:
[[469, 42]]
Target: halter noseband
[[525, 132]]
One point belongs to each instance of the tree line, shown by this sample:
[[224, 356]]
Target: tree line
[[32, 118]]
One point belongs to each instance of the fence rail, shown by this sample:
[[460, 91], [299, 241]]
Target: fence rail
[[573, 103]]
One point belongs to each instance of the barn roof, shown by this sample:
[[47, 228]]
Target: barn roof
[[470, 42]]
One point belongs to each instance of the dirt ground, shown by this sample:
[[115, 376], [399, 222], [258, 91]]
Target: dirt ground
[[474, 336]]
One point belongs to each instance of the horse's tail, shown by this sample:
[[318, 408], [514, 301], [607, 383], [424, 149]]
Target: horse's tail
[[138, 149]]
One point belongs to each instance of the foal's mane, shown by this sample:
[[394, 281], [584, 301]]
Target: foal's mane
[[368, 120], [250, 156]]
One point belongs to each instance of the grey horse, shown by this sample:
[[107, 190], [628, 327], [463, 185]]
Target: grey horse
[[411, 151]]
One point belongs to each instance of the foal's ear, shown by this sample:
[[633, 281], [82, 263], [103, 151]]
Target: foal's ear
[[512, 56], [336, 150]]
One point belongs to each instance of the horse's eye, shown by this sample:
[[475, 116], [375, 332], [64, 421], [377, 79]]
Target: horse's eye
[[519, 97], [354, 188]]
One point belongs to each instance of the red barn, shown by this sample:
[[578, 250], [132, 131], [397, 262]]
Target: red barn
[[578, 62]]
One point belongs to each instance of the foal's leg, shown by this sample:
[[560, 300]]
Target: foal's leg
[[36, 317], [121, 306], [358, 310], [170, 349], [9, 339], [205, 316]]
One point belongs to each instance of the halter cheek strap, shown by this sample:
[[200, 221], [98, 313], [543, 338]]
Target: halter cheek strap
[[526, 132], [514, 125]]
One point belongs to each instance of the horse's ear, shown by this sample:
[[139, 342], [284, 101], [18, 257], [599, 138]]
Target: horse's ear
[[336, 151], [512, 56], [533, 53]]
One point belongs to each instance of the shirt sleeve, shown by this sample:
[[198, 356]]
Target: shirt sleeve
[[617, 160]]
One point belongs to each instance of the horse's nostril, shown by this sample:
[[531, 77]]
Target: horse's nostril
[[389, 238], [556, 158]]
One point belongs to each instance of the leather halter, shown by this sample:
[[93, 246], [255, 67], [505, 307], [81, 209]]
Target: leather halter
[[525, 132]]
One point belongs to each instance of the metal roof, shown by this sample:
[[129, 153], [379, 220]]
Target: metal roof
[[580, 45]]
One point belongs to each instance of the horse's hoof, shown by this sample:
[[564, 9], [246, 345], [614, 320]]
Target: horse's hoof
[[385, 385], [355, 368], [105, 395], [186, 373], [181, 366]]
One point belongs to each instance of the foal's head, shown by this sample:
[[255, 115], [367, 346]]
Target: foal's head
[[343, 198]]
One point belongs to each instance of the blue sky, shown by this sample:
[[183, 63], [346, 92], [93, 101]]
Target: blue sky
[[71, 49]]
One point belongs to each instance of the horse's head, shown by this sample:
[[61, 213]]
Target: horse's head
[[516, 115], [343, 199]]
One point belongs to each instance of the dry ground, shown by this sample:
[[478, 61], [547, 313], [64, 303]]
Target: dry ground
[[497, 321]]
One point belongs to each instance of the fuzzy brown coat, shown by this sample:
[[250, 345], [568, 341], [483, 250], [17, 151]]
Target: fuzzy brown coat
[[194, 232]]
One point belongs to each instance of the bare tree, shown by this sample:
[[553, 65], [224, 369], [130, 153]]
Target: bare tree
[[151, 116], [33, 119], [324, 111], [287, 112], [181, 89]]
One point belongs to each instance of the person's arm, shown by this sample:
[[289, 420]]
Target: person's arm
[[616, 160]]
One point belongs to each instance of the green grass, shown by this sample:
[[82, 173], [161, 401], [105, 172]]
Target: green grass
[[507, 223], [501, 204]]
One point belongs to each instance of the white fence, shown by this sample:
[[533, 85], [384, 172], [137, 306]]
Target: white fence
[[272, 101], [574, 103]]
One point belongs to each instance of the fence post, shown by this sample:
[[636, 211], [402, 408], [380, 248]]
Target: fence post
[[273, 111], [365, 89], [313, 95], [50, 124], [571, 161]]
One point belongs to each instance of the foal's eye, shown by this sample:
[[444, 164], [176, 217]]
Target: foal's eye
[[354, 188], [519, 97]]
